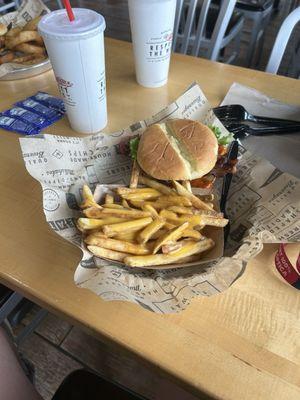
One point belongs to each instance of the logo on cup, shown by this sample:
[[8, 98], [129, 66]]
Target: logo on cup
[[160, 51], [63, 87]]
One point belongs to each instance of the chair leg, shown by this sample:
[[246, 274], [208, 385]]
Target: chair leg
[[256, 27], [9, 305], [264, 26], [31, 327]]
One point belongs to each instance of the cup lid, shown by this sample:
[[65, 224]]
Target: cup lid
[[57, 25]]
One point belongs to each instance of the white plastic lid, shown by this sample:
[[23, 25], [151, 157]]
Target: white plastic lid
[[57, 24]]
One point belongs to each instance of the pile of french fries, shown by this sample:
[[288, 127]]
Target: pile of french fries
[[148, 226], [22, 45]]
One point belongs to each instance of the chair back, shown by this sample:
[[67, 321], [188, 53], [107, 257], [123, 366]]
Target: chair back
[[189, 27], [4, 7], [281, 41]]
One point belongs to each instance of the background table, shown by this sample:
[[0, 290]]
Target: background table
[[241, 344]]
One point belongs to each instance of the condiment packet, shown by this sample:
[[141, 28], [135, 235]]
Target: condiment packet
[[34, 106], [28, 117], [49, 101], [17, 125]]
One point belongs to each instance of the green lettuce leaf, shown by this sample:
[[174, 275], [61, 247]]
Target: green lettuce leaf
[[222, 140], [133, 145]]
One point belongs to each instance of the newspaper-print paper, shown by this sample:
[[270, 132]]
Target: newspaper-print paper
[[28, 10], [262, 207]]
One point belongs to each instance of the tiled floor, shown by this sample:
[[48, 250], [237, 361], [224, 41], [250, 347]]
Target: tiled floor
[[56, 348]]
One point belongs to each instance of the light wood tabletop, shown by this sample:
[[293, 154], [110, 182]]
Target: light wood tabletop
[[241, 344]]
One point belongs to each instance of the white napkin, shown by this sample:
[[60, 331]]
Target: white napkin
[[283, 151]]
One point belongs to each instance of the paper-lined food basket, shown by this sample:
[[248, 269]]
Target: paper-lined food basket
[[262, 208]]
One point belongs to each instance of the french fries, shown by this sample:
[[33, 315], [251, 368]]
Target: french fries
[[150, 229], [198, 203], [105, 253], [161, 259], [128, 226], [117, 245], [148, 226]]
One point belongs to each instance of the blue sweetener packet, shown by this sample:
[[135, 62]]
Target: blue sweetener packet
[[28, 116], [50, 101], [34, 106], [16, 125]]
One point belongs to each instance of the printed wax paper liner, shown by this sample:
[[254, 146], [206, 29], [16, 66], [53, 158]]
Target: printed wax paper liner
[[28, 10], [262, 208]]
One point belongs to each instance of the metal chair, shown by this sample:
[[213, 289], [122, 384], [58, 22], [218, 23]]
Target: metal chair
[[6, 6], [12, 305], [282, 40], [206, 30], [258, 13]]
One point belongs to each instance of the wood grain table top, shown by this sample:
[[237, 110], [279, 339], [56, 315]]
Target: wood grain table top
[[241, 344]]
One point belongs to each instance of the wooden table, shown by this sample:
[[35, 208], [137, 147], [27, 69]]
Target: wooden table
[[241, 344]]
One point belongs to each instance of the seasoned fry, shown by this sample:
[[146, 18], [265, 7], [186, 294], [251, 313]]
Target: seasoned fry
[[90, 223], [24, 37], [32, 25], [159, 233], [125, 213], [105, 253], [88, 198], [125, 191], [172, 235], [163, 202], [109, 199], [93, 212], [117, 245], [142, 196], [209, 213], [23, 59], [128, 226], [181, 210], [171, 247], [162, 259], [198, 203], [150, 229], [115, 206], [134, 175], [150, 209], [192, 233], [187, 185], [127, 236], [7, 57], [156, 185], [212, 221], [125, 204], [191, 219], [168, 214], [13, 32]]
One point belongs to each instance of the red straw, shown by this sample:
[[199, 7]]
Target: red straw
[[69, 10]]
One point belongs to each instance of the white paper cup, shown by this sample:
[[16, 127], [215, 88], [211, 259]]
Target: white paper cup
[[76, 52], [152, 23]]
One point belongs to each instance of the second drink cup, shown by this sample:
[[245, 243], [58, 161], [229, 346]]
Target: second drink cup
[[152, 23], [76, 52]]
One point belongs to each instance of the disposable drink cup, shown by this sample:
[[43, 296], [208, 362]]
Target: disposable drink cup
[[76, 52], [152, 23]]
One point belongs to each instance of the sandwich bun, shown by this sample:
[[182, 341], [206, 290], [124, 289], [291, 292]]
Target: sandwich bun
[[178, 149]]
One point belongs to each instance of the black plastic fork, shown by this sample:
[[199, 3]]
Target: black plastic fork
[[237, 113], [240, 131]]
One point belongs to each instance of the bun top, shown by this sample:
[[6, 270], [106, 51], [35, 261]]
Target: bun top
[[179, 149]]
